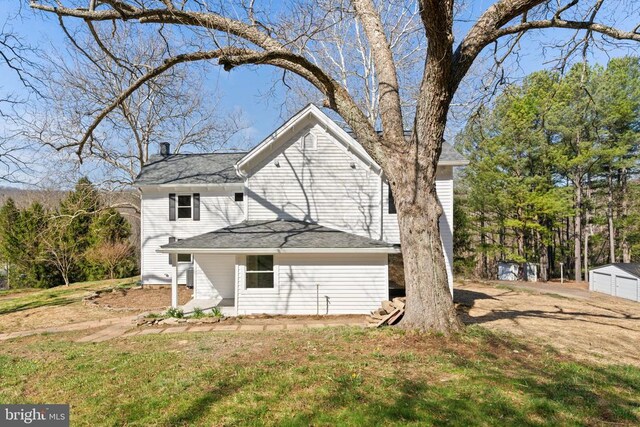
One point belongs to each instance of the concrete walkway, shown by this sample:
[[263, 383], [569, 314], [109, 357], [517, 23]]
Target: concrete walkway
[[122, 327], [117, 331]]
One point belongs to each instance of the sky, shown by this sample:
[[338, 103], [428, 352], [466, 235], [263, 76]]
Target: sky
[[245, 88]]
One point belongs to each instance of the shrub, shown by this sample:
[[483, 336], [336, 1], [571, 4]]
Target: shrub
[[198, 313], [215, 312], [175, 312]]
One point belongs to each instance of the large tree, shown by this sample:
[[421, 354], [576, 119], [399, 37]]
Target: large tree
[[237, 33]]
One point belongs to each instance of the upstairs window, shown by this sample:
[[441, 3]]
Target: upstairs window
[[308, 142], [392, 203], [259, 272], [184, 206]]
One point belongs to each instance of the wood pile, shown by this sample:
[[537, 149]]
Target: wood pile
[[389, 313]]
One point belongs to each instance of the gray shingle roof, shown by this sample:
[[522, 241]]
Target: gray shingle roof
[[450, 154], [277, 234], [212, 168]]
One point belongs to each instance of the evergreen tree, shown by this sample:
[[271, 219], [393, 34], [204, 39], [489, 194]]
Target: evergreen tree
[[109, 253]]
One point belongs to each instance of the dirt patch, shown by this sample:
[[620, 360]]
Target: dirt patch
[[141, 299], [593, 327], [49, 317]]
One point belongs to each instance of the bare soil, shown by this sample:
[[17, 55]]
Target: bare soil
[[589, 326], [53, 316], [142, 299]]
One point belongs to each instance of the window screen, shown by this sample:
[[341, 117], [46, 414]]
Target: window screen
[[184, 257], [184, 206], [259, 272]]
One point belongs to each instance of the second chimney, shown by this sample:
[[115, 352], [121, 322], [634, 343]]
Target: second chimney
[[165, 149]]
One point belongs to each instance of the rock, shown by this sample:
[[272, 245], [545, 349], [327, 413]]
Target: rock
[[141, 322], [169, 321], [210, 320]]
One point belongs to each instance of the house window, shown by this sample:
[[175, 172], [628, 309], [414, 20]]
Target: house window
[[392, 203], [184, 258], [184, 206], [239, 197], [259, 272], [308, 142]]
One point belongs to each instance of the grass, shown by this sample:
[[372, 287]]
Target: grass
[[24, 299], [335, 376]]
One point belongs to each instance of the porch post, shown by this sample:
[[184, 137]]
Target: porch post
[[174, 287]]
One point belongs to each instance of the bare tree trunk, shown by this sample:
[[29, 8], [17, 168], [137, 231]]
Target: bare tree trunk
[[429, 300], [544, 259], [587, 230], [624, 205], [611, 228], [577, 231], [483, 245]]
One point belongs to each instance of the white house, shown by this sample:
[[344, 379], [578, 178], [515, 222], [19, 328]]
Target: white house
[[301, 224]]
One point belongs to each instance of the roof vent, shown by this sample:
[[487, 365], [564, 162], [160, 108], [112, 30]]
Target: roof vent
[[165, 149]]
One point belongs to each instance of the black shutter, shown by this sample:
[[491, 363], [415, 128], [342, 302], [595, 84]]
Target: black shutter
[[172, 257], [172, 206], [392, 203], [196, 206]]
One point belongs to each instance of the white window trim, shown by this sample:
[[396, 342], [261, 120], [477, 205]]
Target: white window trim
[[276, 284], [178, 206], [184, 253]]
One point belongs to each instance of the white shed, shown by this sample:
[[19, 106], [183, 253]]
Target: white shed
[[618, 280]]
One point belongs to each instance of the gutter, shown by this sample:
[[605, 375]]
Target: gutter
[[383, 250]]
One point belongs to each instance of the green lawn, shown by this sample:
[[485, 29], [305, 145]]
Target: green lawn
[[341, 376], [14, 300]]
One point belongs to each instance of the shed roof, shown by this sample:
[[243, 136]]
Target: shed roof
[[632, 268], [278, 236]]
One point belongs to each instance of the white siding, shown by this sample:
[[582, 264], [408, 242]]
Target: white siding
[[214, 276], [217, 209], [318, 185], [614, 281], [321, 186], [353, 283]]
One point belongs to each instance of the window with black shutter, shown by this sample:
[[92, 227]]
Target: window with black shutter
[[184, 206]]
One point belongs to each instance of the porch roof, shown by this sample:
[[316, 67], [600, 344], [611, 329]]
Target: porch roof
[[274, 236]]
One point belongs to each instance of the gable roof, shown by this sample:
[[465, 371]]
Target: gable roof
[[224, 168], [279, 137], [632, 268], [448, 157], [186, 169], [274, 236]]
